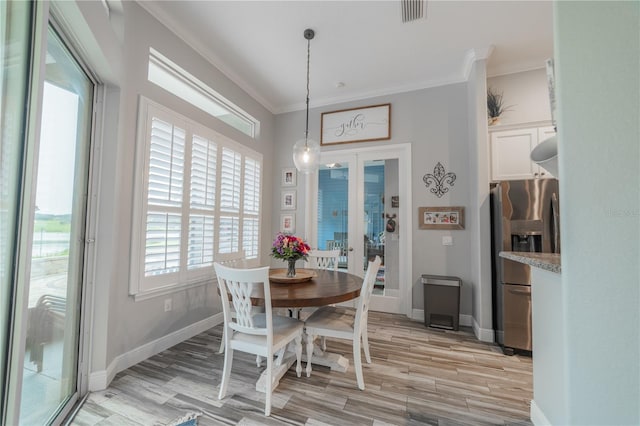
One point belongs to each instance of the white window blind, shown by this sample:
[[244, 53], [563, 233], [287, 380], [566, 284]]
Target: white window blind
[[197, 196], [202, 202], [164, 193], [250, 224], [230, 181], [250, 237]]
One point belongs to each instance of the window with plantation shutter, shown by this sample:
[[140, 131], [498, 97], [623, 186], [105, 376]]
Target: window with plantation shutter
[[164, 194], [197, 196], [202, 202], [251, 209], [250, 237], [229, 241], [230, 181]]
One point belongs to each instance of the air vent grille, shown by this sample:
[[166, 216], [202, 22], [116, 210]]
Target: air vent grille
[[413, 10]]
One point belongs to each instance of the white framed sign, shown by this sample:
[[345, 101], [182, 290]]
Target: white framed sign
[[372, 123]]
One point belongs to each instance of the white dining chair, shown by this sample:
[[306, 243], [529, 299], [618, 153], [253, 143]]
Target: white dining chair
[[330, 321], [234, 260], [261, 334], [324, 259]]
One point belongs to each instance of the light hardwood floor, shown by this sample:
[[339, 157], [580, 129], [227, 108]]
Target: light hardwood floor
[[417, 376]]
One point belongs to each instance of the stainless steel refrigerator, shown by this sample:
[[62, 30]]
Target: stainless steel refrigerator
[[525, 218]]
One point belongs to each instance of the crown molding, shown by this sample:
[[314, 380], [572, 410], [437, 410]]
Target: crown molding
[[320, 102], [473, 55]]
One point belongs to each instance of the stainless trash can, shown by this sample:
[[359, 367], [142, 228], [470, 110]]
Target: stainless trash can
[[441, 301]]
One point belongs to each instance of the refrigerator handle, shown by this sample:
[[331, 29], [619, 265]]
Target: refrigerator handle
[[555, 213]]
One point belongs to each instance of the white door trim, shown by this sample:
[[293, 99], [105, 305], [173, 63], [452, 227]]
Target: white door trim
[[405, 216]]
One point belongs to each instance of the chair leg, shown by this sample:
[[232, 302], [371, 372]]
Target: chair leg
[[224, 332], [298, 355], [324, 343], [258, 360], [226, 372], [310, 339], [268, 385], [365, 343], [357, 363]]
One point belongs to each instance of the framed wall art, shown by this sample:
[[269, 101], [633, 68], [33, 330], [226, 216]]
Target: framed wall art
[[288, 200], [289, 177], [288, 223], [372, 123], [441, 217]]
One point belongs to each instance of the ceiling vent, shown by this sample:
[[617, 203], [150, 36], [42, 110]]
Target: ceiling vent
[[413, 10]]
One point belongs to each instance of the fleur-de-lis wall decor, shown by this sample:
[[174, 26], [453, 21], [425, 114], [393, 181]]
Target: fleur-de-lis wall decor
[[439, 178]]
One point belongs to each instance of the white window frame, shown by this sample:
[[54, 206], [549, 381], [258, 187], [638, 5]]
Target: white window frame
[[143, 286], [172, 77]]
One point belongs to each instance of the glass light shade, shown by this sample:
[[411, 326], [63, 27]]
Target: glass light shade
[[306, 155], [545, 155]]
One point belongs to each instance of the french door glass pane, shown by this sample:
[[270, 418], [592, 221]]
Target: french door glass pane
[[49, 376], [380, 215], [333, 210], [374, 216]]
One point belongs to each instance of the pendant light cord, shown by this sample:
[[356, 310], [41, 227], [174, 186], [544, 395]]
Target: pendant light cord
[[306, 129]]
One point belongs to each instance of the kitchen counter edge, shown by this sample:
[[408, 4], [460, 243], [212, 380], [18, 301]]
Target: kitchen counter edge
[[546, 261]]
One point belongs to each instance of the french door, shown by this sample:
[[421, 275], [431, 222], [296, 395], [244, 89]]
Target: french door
[[45, 278], [360, 204]]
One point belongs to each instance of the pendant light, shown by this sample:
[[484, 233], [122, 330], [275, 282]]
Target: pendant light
[[306, 152]]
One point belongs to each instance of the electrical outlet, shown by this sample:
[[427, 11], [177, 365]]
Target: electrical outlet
[[168, 305], [447, 240]]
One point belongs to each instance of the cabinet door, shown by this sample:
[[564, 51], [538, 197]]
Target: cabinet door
[[544, 133], [510, 151]]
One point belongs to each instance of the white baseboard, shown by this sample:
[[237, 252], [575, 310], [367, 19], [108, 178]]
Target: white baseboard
[[537, 416], [483, 334], [464, 320], [99, 380]]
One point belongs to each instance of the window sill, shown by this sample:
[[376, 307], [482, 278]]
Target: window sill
[[162, 291]]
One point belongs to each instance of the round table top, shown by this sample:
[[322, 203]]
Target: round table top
[[326, 288]]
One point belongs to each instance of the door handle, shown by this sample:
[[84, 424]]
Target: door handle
[[350, 248], [525, 292]]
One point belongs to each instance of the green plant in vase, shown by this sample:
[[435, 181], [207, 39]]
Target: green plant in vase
[[495, 106]]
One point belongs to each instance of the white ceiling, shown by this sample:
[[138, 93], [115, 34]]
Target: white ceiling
[[363, 44]]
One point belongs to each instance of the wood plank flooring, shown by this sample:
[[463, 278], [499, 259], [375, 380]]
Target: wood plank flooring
[[417, 376]]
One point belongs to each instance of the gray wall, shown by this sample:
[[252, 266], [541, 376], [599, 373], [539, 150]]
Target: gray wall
[[435, 122], [527, 95], [598, 85], [120, 324]]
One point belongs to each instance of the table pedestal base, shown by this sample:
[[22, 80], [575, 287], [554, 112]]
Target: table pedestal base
[[328, 359]]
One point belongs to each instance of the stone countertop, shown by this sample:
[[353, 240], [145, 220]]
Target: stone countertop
[[546, 261]]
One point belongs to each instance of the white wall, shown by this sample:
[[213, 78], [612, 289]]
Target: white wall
[[435, 122], [121, 326], [527, 95], [479, 212], [597, 48]]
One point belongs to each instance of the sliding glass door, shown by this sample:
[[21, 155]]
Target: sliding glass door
[[15, 32], [47, 275]]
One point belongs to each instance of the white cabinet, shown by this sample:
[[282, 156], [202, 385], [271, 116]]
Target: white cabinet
[[511, 150]]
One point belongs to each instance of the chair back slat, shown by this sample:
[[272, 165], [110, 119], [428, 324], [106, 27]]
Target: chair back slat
[[324, 259]]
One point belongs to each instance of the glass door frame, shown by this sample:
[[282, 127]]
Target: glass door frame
[[355, 159], [44, 19]]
